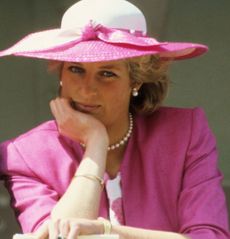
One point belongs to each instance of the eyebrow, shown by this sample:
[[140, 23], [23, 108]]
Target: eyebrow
[[111, 66]]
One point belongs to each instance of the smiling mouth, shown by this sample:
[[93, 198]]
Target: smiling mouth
[[85, 108]]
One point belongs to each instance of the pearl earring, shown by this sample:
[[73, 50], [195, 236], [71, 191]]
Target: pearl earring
[[60, 83], [135, 92]]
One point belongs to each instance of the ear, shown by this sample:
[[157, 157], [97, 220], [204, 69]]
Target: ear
[[137, 86], [60, 88]]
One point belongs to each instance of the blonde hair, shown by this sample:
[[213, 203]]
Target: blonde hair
[[151, 73], [148, 71]]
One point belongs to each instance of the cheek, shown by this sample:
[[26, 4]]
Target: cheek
[[65, 91], [118, 99], [68, 86]]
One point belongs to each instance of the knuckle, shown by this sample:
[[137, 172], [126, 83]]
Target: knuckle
[[64, 222], [75, 224]]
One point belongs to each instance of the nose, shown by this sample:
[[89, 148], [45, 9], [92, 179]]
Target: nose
[[88, 86]]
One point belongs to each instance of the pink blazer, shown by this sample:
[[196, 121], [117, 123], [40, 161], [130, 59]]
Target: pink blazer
[[169, 173]]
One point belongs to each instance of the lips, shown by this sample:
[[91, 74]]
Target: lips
[[86, 108]]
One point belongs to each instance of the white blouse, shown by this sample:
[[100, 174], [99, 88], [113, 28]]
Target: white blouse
[[114, 194]]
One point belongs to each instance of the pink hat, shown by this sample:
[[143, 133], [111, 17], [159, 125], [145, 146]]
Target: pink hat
[[100, 30]]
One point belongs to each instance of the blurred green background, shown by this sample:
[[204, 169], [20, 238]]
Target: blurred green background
[[26, 87]]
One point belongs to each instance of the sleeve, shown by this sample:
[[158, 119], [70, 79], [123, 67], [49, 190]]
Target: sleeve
[[31, 198], [202, 206]]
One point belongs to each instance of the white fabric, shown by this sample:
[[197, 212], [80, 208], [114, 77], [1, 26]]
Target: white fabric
[[114, 193], [110, 13]]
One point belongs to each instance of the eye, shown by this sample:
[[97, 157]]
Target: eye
[[76, 69], [107, 74]]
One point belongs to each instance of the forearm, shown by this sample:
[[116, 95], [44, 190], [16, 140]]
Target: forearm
[[82, 198], [136, 233]]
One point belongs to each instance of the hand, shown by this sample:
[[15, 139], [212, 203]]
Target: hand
[[69, 228], [76, 125]]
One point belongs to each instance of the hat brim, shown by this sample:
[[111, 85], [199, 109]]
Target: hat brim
[[88, 52], [55, 47]]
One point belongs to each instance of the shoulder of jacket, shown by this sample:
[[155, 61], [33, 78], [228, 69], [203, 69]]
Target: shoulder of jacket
[[44, 129]]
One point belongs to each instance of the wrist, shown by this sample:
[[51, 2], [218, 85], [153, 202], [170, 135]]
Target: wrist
[[99, 139], [107, 226]]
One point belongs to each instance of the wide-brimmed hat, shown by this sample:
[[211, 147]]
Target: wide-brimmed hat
[[100, 30]]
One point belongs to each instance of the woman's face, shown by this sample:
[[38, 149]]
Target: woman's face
[[101, 89]]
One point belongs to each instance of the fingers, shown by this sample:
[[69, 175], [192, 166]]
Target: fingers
[[64, 228], [71, 228], [64, 115], [74, 232], [77, 125], [43, 231], [60, 107], [53, 229]]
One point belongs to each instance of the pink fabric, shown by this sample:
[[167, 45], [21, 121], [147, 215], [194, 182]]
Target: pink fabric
[[170, 179], [117, 208], [82, 45]]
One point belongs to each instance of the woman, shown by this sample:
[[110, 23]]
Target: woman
[[113, 160]]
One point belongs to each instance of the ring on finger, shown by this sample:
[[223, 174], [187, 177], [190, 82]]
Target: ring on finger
[[61, 237]]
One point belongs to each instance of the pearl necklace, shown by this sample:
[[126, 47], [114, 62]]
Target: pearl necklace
[[124, 139]]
